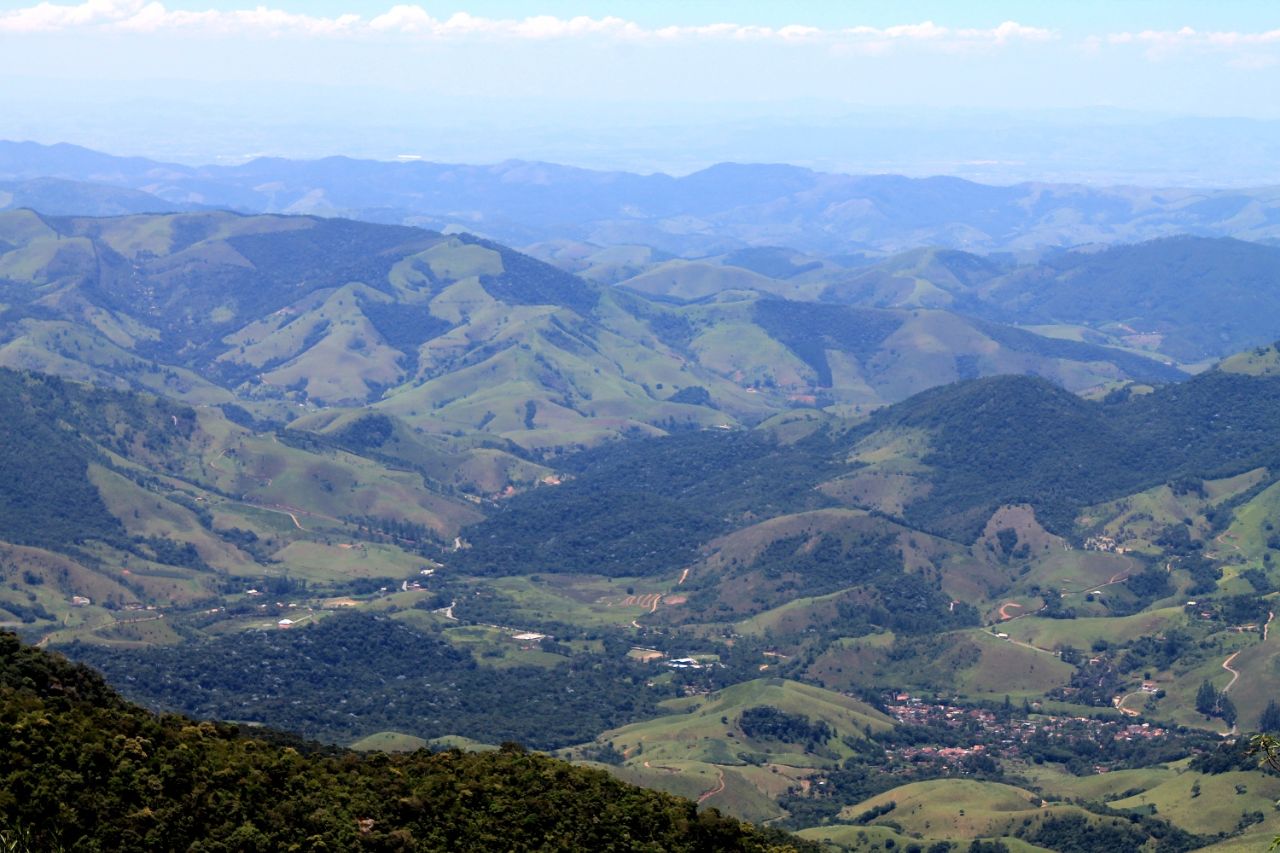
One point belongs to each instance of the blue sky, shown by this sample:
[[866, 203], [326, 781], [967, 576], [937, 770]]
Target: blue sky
[[284, 76]]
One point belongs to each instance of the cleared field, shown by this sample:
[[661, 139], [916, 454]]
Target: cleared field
[[1081, 632], [316, 561], [1080, 571], [465, 744], [1009, 669], [389, 742], [706, 728], [588, 600], [1221, 800], [1098, 787], [950, 808]]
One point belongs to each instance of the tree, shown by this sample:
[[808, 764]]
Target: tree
[[1270, 719], [1226, 710], [1206, 699]]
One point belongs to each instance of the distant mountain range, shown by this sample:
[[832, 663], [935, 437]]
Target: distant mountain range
[[1189, 299], [301, 317], [718, 209]]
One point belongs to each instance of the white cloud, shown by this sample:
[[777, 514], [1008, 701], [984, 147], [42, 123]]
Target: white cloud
[[49, 17], [414, 21], [1246, 50]]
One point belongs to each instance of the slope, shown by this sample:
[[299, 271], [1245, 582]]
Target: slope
[[84, 768]]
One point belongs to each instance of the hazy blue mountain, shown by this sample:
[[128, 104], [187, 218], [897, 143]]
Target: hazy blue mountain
[[59, 197], [718, 209]]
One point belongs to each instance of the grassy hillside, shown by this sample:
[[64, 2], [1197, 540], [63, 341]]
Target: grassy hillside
[[293, 317], [118, 502]]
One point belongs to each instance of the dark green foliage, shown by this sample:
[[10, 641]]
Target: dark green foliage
[[1226, 756], [80, 769], [1269, 722], [770, 261], [809, 329], [1022, 440], [1206, 699], [368, 432], [362, 675], [1204, 573], [1208, 296], [1148, 586], [875, 812], [980, 846], [1258, 580], [645, 506], [525, 281], [694, 395], [1227, 710], [1075, 833], [1136, 367], [1148, 652], [45, 496], [404, 327], [770, 723]]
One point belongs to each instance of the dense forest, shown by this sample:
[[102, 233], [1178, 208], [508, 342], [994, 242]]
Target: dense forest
[[363, 674], [82, 769], [644, 507]]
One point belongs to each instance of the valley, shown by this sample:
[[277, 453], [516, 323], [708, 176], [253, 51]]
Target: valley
[[900, 553]]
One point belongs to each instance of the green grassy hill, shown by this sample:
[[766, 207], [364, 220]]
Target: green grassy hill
[[115, 502], [292, 317]]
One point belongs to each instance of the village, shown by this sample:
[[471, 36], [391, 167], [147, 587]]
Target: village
[[1005, 732]]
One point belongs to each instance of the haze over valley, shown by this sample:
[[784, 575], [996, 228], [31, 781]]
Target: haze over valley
[[692, 458]]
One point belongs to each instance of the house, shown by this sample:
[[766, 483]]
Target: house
[[80, 601], [285, 623]]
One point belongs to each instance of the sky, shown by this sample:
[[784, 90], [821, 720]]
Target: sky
[[642, 85]]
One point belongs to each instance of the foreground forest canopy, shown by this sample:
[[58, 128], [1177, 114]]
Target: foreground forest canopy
[[81, 769]]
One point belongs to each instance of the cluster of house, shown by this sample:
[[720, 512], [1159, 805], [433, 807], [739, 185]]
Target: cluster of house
[[1105, 543], [1004, 734]]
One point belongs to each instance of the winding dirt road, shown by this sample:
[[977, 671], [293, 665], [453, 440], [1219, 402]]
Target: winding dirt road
[[716, 790], [1235, 673]]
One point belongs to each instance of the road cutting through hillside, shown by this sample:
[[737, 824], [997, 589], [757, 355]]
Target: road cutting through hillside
[[1004, 615], [1118, 577], [1224, 535], [1235, 673], [1128, 712], [716, 790], [1029, 646]]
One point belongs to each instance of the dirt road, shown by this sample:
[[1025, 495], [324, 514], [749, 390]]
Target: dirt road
[[1235, 673], [716, 790]]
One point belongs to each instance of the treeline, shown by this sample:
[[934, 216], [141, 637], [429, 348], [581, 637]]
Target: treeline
[[361, 674], [82, 769]]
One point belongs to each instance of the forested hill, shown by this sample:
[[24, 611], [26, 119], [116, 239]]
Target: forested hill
[[82, 769], [952, 456]]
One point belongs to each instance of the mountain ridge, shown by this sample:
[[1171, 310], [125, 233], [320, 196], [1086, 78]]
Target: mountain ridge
[[728, 205]]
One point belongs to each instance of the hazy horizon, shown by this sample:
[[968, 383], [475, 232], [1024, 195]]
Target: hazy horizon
[[999, 92]]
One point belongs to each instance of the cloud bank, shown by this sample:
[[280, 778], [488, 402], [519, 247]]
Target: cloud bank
[[406, 20]]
